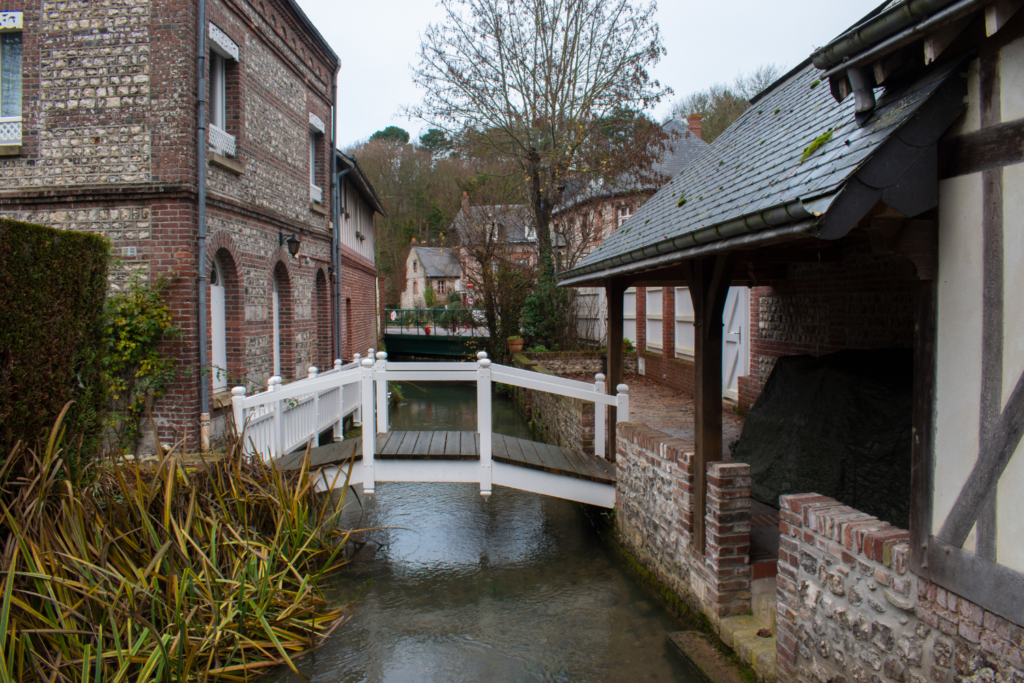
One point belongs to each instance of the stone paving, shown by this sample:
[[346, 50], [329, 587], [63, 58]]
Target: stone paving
[[670, 411]]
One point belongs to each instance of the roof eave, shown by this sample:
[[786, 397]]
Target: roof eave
[[750, 224]]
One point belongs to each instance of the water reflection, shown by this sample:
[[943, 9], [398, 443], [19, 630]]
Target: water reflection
[[459, 588]]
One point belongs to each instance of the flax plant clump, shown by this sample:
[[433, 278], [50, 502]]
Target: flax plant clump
[[158, 573]]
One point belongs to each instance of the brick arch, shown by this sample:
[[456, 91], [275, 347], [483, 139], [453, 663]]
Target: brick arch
[[234, 309], [322, 350], [282, 277]]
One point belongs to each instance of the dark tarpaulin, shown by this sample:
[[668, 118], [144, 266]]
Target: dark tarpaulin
[[838, 425]]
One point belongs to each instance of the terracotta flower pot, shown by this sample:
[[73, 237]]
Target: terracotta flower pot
[[515, 345]]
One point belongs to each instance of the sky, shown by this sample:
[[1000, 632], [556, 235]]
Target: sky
[[707, 42]]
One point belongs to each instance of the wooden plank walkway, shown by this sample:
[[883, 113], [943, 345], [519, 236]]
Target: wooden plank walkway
[[442, 445]]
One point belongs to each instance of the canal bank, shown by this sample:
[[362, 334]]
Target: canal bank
[[455, 587]]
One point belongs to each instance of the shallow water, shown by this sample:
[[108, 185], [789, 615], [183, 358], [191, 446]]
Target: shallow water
[[519, 587]]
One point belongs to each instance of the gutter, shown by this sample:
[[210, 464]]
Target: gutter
[[204, 389], [907, 36], [758, 238], [875, 30], [777, 216]]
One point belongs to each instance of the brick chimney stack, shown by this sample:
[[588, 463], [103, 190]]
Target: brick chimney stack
[[693, 122], [465, 201]]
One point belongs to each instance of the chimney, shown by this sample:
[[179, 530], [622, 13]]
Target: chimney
[[693, 122], [465, 201]]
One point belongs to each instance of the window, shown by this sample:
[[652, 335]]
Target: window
[[317, 129], [222, 51], [415, 288], [440, 286], [10, 79], [218, 91], [414, 266], [624, 213]]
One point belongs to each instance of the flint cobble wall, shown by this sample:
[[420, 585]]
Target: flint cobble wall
[[654, 517], [850, 611], [108, 146], [560, 420]]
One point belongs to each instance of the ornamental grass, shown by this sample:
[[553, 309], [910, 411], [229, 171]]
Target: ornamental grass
[[158, 573]]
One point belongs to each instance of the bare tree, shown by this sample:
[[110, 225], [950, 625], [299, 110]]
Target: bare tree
[[720, 105], [497, 260], [539, 82]]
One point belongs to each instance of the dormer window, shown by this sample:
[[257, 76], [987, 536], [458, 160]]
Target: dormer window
[[414, 266]]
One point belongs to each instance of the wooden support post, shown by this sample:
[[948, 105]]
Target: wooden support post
[[709, 280], [614, 289]]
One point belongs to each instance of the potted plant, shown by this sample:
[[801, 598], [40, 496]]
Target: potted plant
[[515, 345]]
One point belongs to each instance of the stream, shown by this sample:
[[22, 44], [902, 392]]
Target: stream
[[518, 587]]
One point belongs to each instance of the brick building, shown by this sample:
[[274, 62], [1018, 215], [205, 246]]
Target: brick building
[[871, 199], [105, 137], [360, 289], [434, 267]]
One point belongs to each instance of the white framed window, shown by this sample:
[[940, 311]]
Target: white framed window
[[629, 315], [654, 319], [218, 91], [684, 323], [624, 213], [222, 51], [316, 131], [10, 77], [440, 287]]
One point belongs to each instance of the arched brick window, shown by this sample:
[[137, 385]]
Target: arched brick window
[[283, 326], [322, 318]]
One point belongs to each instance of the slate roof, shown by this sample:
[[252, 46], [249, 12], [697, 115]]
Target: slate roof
[[683, 149], [752, 177], [438, 262], [514, 223]]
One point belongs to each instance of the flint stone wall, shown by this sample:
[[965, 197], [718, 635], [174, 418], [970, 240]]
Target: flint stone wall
[[850, 611]]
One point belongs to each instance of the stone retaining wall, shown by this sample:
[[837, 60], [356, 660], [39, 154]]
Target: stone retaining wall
[[849, 610], [654, 517], [560, 420]]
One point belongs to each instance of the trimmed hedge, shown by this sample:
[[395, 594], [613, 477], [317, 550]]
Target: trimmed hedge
[[52, 289]]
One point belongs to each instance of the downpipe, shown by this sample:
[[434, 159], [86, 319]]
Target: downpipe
[[204, 390]]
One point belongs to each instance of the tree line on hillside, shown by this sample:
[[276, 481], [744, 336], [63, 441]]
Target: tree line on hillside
[[522, 99]]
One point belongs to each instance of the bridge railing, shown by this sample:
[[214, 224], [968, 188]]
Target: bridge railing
[[443, 322], [287, 417], [484, 373]]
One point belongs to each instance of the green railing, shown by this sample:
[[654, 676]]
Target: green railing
[[441, 322]]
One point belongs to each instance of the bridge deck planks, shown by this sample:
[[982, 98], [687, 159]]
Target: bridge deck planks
[[446, 445]]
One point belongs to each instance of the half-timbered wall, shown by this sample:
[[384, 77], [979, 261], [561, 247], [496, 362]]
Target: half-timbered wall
[[976, 512]]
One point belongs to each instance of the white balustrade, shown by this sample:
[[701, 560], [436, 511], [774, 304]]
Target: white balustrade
[[285, 418]]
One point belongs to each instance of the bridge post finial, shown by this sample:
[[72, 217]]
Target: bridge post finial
[[382, 355], [337, 364], [481, 355], [238, 409], [623, 408], [312, 372]]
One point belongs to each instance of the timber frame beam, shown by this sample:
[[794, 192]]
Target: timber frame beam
[[709, 280]]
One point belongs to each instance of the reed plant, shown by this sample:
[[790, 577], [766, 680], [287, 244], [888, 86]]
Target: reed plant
[[162, 572]]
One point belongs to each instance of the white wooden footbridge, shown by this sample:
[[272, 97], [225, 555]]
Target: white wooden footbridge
[[283, 421]]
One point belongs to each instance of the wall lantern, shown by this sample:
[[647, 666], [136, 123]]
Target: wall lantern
[[292, 241]]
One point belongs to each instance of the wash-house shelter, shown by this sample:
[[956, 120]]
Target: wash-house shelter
[[873, 199]]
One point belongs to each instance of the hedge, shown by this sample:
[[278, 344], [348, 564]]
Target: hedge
[[52, 289]]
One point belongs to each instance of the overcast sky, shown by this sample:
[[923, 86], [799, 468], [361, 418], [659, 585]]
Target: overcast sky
[[708, 42]]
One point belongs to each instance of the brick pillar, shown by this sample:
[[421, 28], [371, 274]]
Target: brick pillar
[[668, 322], [727, 547]]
